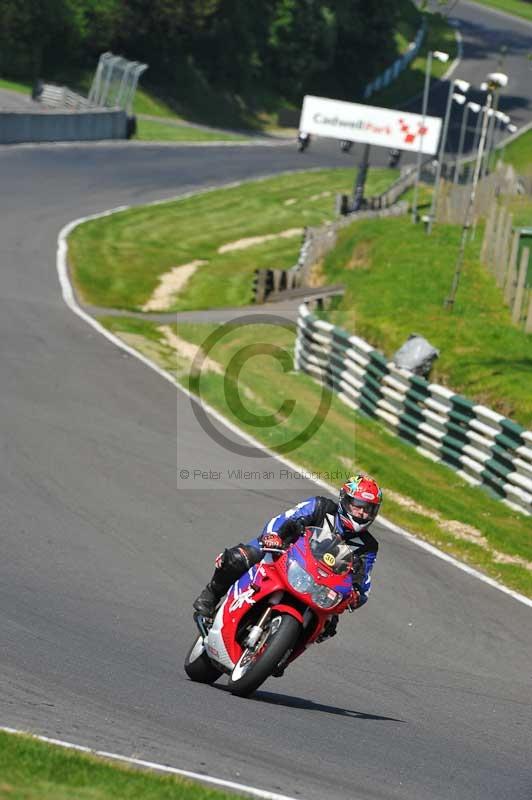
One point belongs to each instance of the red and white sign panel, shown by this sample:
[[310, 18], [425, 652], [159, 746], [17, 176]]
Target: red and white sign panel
[[369, 124]]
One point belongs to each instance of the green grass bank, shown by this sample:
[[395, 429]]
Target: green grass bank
[[117, 261], [397, 279], [517, 8], [519, 154], [34, 770], [427, 498], [149, 130]]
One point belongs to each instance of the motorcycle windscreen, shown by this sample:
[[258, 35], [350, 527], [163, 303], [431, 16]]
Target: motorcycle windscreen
[[331, 550]]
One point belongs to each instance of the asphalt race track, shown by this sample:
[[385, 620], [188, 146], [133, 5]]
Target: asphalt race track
[[428, 691]]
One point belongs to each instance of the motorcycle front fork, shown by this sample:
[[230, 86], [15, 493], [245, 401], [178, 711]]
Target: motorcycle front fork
[[203, 624], [257, 630]]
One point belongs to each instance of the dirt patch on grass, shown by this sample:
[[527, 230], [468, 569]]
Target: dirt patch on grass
[[146, 346], [502, 558], [251, 241], [463, 531], [360, 256], [459, 529], [170, 284], [188, 351], [319, 196], [453, 526], [316, 275]]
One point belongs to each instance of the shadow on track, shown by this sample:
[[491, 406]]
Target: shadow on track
[[290, 701]]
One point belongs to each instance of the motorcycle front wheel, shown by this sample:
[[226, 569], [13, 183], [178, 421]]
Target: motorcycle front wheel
[[257, 664], [198, 666]]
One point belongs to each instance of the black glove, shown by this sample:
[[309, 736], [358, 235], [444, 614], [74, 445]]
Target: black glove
[[291, 530]]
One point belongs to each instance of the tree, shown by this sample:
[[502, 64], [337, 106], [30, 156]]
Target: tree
[[365, 42], [302, 41], [29, 29]]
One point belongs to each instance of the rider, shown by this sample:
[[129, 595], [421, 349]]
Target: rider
[[350, 517]]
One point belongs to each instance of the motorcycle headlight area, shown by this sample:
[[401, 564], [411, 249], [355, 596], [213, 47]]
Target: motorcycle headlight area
[[300, 580]]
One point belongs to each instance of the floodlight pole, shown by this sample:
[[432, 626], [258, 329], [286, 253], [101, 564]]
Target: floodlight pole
[[463, 129], [428, 71], [449, 302], [440, 157], [489, 137]]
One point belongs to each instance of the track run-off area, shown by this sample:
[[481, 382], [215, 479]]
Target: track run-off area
[[427, 692]]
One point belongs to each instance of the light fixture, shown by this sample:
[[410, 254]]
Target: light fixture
[[462, 85], [497, 80]]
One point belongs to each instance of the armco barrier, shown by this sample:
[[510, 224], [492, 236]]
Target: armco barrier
[[485, 448], [398, 66], [62, 97], [62, 127]]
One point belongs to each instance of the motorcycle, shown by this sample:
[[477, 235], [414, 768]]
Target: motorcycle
[[274, 612], [394, 158], [303, 141]]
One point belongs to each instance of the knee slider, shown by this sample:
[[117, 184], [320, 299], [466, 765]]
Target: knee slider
[[236, 560]]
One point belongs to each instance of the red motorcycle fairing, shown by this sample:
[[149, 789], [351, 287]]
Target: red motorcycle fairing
[[266, 586], [283, 608], [255, 586]]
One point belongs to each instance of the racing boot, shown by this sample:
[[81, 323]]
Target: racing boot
[[230, 565], [206, 602]]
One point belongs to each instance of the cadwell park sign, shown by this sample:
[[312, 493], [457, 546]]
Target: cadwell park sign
[[383, 127]]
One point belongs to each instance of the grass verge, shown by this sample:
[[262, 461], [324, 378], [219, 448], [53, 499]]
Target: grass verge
[[437, 505], [155, 131], [13, 86], [519, 154], [117, 261], [517, 8], [34, 770], [397, 279]]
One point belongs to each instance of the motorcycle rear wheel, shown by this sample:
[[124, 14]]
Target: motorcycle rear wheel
[[198, 666], [254, 667]]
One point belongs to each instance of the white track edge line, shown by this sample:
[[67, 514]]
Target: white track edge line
[[198, 776], [69, 297]]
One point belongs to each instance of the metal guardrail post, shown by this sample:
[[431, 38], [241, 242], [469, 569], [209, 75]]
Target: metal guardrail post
[[136, 75], [111, 63], [129, 69], [94, 91]]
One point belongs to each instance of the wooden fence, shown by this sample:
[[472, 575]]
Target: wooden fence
[[453, 199], [500, 253]]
